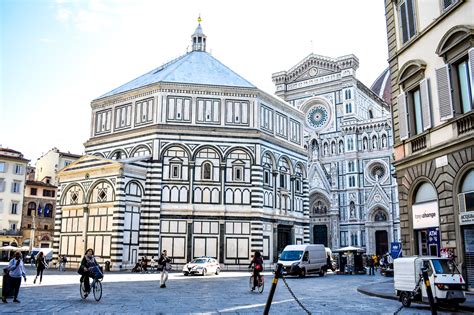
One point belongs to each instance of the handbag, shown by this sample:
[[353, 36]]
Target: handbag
[[6, 270], [168, 267]]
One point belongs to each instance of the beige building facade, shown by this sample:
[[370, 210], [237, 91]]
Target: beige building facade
[[431, 59], [37, 224], [12, 182], [48, 165]]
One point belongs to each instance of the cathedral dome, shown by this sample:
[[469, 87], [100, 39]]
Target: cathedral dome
[[382, 86]]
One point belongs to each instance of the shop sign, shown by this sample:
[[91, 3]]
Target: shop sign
[[466, 218], [425, 215]]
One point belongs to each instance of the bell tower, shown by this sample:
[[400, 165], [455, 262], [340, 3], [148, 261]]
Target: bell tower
[[198, 38]]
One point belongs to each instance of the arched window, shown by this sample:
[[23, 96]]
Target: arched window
[[48, 210], [31, 208], [425, 193], [350, 144], [206, 171], [371, 114], [467, 192], [341, 147]]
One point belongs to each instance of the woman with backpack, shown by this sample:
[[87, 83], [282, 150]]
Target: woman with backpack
[[40, 266]]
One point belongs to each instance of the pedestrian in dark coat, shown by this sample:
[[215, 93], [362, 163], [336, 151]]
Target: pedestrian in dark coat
[[165, 264], [40, 266]]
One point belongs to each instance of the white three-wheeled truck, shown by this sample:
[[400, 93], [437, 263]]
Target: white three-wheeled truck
[[447, 284]]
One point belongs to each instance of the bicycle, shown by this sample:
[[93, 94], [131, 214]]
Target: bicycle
[[260, 283], [96, 288]]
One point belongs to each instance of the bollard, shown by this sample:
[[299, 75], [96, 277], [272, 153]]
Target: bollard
[[426, 279], [273, 288]]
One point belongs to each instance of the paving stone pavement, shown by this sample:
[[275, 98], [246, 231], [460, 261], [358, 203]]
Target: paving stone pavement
[[227, 293]]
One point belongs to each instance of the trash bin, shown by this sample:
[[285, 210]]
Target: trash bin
[[107, 265]]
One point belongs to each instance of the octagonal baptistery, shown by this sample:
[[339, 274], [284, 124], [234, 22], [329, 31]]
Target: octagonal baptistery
[[189, 157]]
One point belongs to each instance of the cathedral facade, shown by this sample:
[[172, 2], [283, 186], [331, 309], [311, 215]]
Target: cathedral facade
[[349, 140], [191, 158]]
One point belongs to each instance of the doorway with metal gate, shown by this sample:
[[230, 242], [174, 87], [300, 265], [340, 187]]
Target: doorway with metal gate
[[381, 242], [284, 237], [320, 235]]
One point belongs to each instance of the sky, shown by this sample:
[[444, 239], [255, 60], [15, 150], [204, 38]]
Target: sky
[[56, 56]]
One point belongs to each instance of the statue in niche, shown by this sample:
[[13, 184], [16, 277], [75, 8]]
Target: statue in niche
[[384, 141], [341, 147], [315, 149], [333, 148], [352, 209], [374, 143], [364, 143], [325, 149]]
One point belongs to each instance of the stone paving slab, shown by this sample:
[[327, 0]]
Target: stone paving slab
[[228, 293]]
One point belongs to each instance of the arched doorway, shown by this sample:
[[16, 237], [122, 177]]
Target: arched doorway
[[381, 242], [466, 209], [320, 235], [425, 217]]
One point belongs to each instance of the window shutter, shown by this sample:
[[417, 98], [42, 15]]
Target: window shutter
[[402, 116], [425, 103], [471, 71], [444, 93], [462, 203]]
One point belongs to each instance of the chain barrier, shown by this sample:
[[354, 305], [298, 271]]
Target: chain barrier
[[398, 311], [294, 296]]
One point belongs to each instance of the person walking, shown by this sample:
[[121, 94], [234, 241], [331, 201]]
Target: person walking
[[15, 271], [165, 263], [371, 266], [40, 266], [62, 263]]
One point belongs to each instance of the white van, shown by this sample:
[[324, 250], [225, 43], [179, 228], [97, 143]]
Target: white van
[[303, 259], [447, 284]]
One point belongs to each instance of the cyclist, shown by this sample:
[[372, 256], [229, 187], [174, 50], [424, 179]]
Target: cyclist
[[257, 261], [89, 268]]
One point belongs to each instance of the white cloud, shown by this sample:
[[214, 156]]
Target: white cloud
[[63, 14]]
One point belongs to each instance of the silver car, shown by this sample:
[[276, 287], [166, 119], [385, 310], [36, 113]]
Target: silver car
[[202, 266]]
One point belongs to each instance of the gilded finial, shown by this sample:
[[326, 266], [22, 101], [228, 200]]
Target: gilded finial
[[199, 18]]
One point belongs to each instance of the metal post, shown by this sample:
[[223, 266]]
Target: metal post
[[426, 279], [273, 288]]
